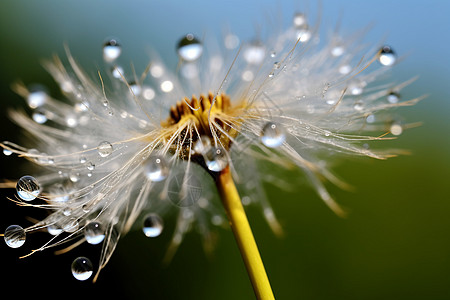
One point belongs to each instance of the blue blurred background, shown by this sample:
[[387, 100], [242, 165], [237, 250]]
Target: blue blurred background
[[395, 243]]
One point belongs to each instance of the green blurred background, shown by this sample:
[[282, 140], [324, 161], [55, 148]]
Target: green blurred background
[[395, 244]]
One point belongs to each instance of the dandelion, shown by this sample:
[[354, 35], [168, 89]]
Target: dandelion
[[124, 148]]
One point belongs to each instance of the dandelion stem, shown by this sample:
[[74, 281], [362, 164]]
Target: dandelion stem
[[243, 234]]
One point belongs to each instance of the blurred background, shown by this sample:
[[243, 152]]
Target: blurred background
[[395, 244]]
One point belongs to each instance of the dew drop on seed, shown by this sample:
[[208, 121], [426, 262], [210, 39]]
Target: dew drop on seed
[[303, 33], [254, 54], [71, 225], [90, 166], [54, 230], [216, 159], [299, 19], [104, 149], [7, 152], [28, 188], [135, 89], [39, 117], [189, 48], [117, 72], [273, 135], [74, 176], [82, 268], [14, 236], [111, 50], [396, 128], [202, 145], [393, 97], [94, 233], [358, 106], [153, 225], [387, 56], [37, 96], [156, 168]]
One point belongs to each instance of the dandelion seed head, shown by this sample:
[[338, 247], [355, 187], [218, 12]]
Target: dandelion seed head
[[124, 147]]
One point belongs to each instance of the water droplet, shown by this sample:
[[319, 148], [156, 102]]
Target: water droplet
[[39, 117], [111, 50], [153, 225], [254, 53], [273, 135], [28, 188], [202, 145], [393, 97], [370, 118], [156, 168], [82, 268], [37, 96], [104, 149], [148, 93], [216, 159], [167, 86], [189, 48], [337, 51], [299, 19], [117, 72], [356, 88], [247, 75], [71, 226], [396, 128], [94, 233], [135, 88], [273, 54], [14, 236], [359, 105], [7, 152], [90, 166], [345, 69], [303, 33], [71, 121], [387, 56], [67, 211], [156, 71], [74, 176], [54, 230]]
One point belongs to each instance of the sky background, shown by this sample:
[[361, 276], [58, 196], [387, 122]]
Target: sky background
[[395, 243]]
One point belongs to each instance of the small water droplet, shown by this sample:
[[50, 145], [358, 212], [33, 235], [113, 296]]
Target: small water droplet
[[94, 233], [111, 50], [104, 149], [337, 51], [90, 166], [273, 135], [393, 97], [273, 54], [345, 69], [247, 75], [14, 236], [53, 229], [37, 96], [396, 128], [299, 19], [28, 188], [202, 145], [83, 160], [74, 176], [387, 56], [167, 86], [82, 268], [71, 121], [67, 211], [370, 118], [254, 53], [156, 168], [39, 117], [359, 105], [303, 33], [153, 225], [117, 72], [216, 159], [189, 48], [7, 152], [148, 93], [71, 225], [135, 88]]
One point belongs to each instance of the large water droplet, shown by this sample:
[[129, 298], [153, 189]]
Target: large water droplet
[[94, 233], [82, 268], [28, 188], [156, 168], [254, 54], [216, 159], [111, 50], [53, 229], [7, 152], [104, 149], [387, 56], [273, 135], [14, 236], [153, 225], [189, 48]]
